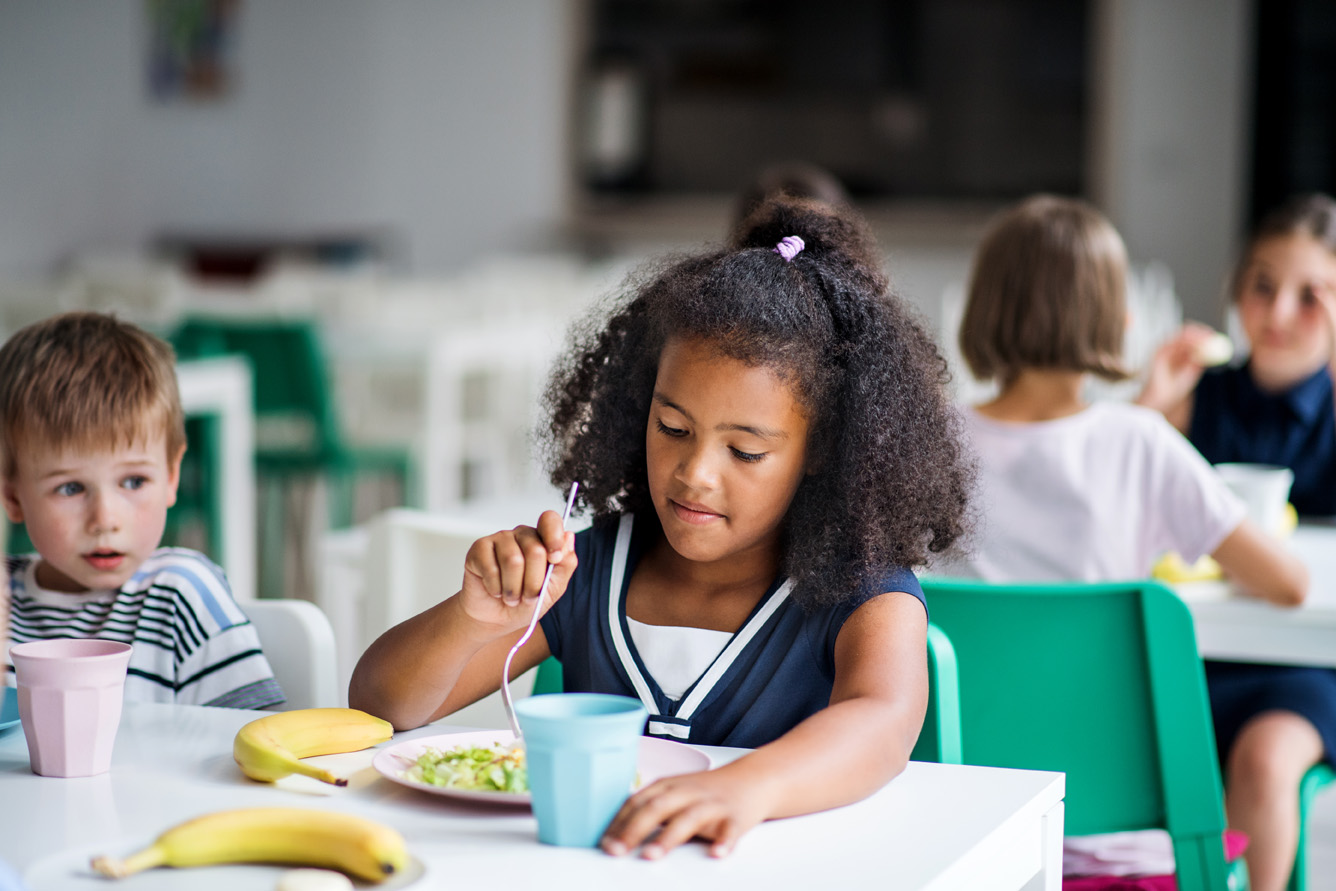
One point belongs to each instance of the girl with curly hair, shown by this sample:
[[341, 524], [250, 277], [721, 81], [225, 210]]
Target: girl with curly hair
[[764, 438]]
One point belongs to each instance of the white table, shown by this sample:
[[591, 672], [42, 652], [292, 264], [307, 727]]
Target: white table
[[935, 826], [1233, 626], [222, 387]]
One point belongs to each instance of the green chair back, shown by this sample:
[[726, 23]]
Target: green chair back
[[19, 542], [1102, 682], [296, 428], [199, 499], [940, 740], [290, 379], [549, 677]]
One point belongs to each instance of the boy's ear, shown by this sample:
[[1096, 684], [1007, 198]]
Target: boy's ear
[[174, 474], [13, 509]]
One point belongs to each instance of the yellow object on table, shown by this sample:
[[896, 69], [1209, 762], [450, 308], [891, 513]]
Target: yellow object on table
[[1174, 569]]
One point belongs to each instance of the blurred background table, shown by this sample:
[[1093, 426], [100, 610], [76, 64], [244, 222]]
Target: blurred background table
[[1233, 626]]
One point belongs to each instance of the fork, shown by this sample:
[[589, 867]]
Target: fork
[[533, 622]]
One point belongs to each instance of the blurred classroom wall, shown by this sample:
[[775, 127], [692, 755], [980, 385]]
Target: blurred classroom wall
[[449, 125], [443, 121]]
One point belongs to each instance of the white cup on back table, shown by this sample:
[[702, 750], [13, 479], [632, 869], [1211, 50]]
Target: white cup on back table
[[1264, 490]]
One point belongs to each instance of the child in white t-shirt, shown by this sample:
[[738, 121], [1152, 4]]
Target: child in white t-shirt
[[1069, 490]]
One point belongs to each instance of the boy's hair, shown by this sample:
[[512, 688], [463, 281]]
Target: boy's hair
[[89, 382], [1313, 215], [1047, 292], [889, 480]]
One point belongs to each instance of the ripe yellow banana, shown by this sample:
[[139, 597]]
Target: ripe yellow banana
[[360, 847], [271, 747]]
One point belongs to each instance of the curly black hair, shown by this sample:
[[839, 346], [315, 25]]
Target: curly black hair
[[891, 479]]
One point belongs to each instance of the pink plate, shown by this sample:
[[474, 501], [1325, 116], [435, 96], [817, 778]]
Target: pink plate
[[659, 758]]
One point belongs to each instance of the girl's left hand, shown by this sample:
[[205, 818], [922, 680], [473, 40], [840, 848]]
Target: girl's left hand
[[716, 805]]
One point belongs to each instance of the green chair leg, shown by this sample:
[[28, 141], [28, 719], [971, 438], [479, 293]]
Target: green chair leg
[[273, 542], [1317, 779]]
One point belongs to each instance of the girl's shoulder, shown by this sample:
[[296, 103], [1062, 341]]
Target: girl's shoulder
[[1104, 430], [894, 579], [1097, 416], [1124, 425]]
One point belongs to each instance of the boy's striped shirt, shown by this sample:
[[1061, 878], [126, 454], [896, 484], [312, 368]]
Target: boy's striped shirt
[[192, 642]]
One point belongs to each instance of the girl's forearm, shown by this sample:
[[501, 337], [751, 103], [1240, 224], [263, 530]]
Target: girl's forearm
[[840, 755], [1262, 565], [408, 674]]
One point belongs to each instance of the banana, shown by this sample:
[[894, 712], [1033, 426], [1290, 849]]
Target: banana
[[269, 748], [286, 835]]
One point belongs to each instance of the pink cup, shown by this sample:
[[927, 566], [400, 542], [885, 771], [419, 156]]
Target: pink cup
[[70, 694]]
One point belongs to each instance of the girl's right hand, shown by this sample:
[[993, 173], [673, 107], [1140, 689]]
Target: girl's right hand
[[503, 573], [1174, 373]]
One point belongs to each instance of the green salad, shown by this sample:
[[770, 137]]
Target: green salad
[[494, 768]]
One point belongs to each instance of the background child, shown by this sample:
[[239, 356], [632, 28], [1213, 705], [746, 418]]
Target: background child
[[1277, 408], [1071, 490], [92, 431], [763, 436], [790, 179]]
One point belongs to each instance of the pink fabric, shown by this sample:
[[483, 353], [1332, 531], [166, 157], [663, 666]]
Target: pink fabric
[[1235, 844]]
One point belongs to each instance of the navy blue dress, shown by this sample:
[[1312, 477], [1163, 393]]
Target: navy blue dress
[[777, 670], [1233, 420]]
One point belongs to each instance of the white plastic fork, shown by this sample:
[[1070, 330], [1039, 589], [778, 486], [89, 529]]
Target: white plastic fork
[[533, 622]]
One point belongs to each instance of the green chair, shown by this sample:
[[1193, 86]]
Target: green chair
[[19, 542], [940, 741], [548, 679], [1317, 779], [1102, 682], [199, 501], [297, 429]]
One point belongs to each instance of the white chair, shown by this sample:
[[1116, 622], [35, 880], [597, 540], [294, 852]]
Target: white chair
[[483, 389], [414, 559], [375, 576], [298, 641]]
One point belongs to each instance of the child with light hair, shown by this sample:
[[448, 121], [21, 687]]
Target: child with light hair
[[1091, 491], [92, 435]]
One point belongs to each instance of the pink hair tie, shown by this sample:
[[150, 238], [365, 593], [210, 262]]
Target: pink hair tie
[[789, 246]]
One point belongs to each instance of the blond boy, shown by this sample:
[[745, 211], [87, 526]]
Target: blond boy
[[92, 435]]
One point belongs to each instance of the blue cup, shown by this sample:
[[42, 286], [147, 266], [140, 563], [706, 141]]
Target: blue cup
[[581, 750]]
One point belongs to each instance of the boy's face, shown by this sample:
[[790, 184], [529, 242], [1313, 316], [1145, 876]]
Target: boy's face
[[94, 518]]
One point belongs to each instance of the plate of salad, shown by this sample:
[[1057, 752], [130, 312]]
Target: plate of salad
[[483, 765]]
